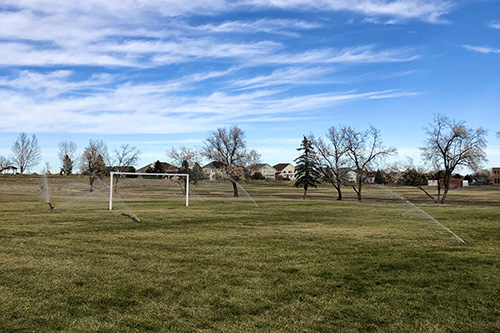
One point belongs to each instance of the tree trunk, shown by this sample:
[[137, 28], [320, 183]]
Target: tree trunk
[[445, 193], [446, 185], [91, 180], [235, 188], [339, 193], [305, 192], [339, 190], [358, 191]]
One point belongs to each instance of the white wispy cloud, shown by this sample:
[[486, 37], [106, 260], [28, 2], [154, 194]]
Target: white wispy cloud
[[284, 27], [285, 76], [146, 108], [482, 49], [425, 10], [494, 24], [357, 54]]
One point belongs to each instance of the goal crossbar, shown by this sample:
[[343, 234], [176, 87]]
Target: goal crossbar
[[145, 174]]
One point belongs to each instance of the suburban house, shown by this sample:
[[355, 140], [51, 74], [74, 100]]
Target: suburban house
[[265, 169], [8, 169], [167, 167], [212, 170], [454, 183], [495, 177], [350, 175], [284, 171]]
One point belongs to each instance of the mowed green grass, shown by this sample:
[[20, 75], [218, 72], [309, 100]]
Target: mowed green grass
[[288, 265]]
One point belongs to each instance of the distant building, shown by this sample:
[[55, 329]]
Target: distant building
[[432, 182], [454, 183], [495, 176], [284, 171], [265, 170], [212, 170], [167, 167], [350, 176], [9, 169]]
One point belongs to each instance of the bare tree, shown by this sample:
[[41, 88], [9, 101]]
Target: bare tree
[[451, 144], [26, 152], [67, 156], [92, 160], [332, 158], [125, 156], [178, 155], [228, 147], [4, 162], [364, 149]]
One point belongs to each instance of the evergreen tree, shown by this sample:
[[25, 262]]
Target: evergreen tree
[[307, 170], [184, 169], [67, 168], [196, 174], [379, 177], [156, 168]]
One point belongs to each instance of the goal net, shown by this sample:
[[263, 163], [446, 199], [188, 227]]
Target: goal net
[[147, 186]]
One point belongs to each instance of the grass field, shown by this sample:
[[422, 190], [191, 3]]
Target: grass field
[[225, 265]]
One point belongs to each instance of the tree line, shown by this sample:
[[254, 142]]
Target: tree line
[[449, 144]]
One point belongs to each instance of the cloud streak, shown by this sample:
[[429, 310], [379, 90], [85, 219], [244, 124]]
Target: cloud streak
[[482, 49]]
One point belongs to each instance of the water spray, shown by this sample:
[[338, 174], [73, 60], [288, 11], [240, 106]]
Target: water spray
[[415, 207], [46, 191], [241, 187]]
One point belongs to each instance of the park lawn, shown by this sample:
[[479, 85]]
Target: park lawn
[[224, 264]]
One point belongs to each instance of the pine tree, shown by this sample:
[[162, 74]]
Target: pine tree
[[307, 171], [196, 174], [379, 177], [67, 168]]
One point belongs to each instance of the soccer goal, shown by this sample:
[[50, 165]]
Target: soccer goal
[[138, 174]]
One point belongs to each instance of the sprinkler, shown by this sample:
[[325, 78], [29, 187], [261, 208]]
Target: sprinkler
[[133, 218], [50, 205]]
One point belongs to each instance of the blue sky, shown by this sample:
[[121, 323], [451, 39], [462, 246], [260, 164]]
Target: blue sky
[[163, 73]]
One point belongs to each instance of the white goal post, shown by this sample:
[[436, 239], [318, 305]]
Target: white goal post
[[145, 174]]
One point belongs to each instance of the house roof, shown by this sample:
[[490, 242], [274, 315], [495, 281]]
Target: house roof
[[281, 166], [214, 165], [260, 165], [167, 167]]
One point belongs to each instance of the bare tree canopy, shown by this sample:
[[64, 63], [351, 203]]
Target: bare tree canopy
[[4, 162], [228, 147], [450, 144], [26, 152], [365, 149], [92, 160], [332, 158], [126, 156], [67, 148], [178, 155], [67, 156]]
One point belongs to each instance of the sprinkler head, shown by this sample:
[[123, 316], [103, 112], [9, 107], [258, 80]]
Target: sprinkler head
[[50, 205], [133, 218]]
